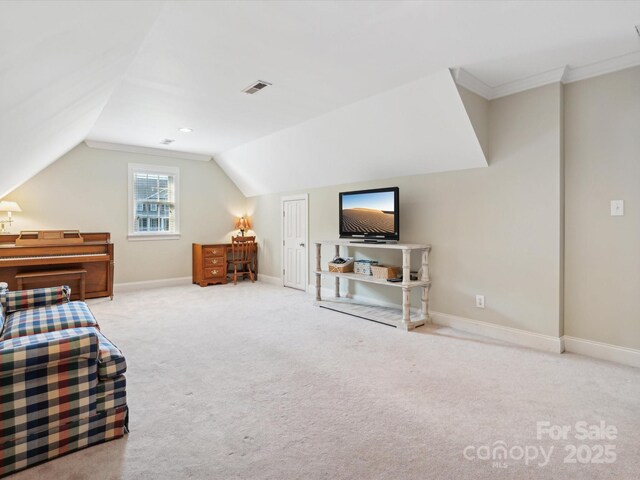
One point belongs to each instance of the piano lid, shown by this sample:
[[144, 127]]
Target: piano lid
[[9, 240], [49, 237]]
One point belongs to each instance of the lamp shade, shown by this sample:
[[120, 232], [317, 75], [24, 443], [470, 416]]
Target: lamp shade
[[9, 207], [243, 223]]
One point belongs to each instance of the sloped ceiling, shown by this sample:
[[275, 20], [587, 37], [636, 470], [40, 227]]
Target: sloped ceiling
[[421, 127], [59, 63], [134, 72]]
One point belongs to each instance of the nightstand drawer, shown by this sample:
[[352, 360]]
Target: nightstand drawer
[[209, 263], [213, 262], [214, 272], [214, 251]]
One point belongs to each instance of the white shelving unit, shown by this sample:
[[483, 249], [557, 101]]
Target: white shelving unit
[[402, 317]]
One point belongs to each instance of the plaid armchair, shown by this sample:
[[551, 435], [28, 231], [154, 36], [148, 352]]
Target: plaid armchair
[[62, 386]]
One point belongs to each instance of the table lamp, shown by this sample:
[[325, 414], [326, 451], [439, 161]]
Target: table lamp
[[8, 207], [243, 224]]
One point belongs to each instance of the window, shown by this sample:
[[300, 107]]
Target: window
[[153, 202], [142, 224]]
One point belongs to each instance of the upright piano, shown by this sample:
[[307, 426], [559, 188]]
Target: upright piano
[[94, 254]]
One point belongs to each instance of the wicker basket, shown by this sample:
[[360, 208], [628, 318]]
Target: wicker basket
[[380, 271], [342, 267], [364, 266]]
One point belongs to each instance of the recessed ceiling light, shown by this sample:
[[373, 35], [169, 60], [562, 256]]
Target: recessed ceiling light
[[185, 130]]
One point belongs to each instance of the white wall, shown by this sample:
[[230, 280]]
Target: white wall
[[86, 189], [602, 151], [477, 109]]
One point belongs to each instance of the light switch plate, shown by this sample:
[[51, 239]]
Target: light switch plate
[[617, 208]]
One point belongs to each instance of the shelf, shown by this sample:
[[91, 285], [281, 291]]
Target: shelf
[[402, 318], [376, 313], [370, 279], [390, 246]]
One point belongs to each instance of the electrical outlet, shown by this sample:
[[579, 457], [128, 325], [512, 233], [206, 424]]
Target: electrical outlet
[[480, 301]]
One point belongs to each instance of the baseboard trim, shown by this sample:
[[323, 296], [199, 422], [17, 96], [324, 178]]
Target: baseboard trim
[[603, 351], [517, 336], [269, 279], [548, 343], [177, 281], [147, 284]]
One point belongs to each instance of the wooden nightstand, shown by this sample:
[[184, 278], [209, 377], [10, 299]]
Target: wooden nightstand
[[209, 264]]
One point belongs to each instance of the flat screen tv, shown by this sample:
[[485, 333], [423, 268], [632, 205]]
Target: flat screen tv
[[370, 215]]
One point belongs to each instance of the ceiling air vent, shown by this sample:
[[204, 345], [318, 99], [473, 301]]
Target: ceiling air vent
[[256, 87], [167, 141]]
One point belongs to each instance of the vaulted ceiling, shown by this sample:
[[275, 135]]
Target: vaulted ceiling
[[135, 72]]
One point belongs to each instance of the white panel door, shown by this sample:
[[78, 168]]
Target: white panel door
[[294, 242]]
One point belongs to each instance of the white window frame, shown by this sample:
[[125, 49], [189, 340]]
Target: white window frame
[[158, 170]]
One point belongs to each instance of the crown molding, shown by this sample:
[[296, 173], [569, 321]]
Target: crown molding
[[601, 68], [566, 74], [468, 81], [119, 147], [534, 81]]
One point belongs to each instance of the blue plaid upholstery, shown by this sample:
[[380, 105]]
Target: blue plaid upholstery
[[73, 436], [24, 352], [57, 367], [61, 383], [111, 362], [3, 296], [111, 393], [38, 297], [48, 319]]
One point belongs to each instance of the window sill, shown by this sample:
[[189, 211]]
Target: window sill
[[141, 237]]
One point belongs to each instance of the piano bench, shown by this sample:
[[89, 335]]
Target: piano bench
[[52, 278]]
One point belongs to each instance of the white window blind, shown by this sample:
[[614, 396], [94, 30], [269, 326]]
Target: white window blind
[[153, 202]]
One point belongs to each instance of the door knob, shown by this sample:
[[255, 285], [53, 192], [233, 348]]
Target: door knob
[[302, 244]]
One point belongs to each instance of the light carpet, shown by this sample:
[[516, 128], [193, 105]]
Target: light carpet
[[254, 382]]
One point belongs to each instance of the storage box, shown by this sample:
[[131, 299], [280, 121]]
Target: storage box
[[380, 271], [364, 266], [342, 267]]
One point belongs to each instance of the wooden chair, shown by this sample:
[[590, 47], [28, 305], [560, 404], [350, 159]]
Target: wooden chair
[[242, 252]]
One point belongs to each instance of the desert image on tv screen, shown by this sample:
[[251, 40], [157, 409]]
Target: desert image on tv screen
[[368, 213]]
